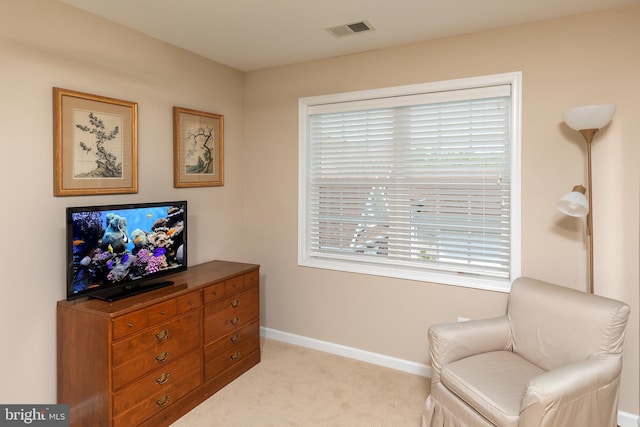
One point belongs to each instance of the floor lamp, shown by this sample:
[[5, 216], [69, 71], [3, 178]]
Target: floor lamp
[[587, 120]]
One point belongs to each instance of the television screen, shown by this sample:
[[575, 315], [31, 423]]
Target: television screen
[[119, 250]]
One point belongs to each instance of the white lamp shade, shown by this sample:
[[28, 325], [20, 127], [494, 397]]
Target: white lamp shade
[[589, 116], [574, 203]]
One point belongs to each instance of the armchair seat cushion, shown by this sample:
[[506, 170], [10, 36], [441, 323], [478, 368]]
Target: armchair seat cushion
[[492, 383]]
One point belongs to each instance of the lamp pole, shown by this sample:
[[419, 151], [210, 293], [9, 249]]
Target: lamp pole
[[588, 137]]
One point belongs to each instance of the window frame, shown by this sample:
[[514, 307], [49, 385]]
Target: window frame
[[514, 79]]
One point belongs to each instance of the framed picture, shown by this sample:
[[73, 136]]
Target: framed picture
[[198, 148], [95, 144]]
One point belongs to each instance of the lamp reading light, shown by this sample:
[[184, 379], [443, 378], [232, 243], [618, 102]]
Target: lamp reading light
[[574, 203]]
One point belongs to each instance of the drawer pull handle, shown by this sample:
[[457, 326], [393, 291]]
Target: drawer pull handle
[[162, 357], [235, 356], [163, 312], [162, 335], [163, 402], [163, 379], [190, 303], [235, 320], [235, 338], [130, 325], [235, 303]]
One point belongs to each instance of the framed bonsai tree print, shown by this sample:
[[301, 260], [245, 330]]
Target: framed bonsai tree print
[[198, 148], [95, 144]]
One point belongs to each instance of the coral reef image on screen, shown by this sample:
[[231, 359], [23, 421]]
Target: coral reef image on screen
[[114, 247]]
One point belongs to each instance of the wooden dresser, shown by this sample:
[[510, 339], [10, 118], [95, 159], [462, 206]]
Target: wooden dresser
[[148, 359]]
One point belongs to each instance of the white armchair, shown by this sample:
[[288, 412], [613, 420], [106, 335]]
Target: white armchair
[[554, 360]]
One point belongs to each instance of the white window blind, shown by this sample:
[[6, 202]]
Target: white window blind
[[421, 182]]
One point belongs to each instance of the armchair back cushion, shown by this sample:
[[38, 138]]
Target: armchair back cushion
[[559, 326]]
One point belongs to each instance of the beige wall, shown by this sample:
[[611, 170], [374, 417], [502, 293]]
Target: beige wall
[[44, 44], [566, 62], [254, 216]]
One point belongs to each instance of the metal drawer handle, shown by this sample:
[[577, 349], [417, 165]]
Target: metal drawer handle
[[235, 356], [163, 402], [235, 303], [163, 379], [235, 338], [235, 320], [162, 335], [162, 357], [130, 325]]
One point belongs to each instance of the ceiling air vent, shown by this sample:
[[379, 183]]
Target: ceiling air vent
[[349, 29]]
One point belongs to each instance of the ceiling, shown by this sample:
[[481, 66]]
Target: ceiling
[[254, 34]]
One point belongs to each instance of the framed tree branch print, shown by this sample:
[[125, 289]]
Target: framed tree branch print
[[95, 144], [198, 148]]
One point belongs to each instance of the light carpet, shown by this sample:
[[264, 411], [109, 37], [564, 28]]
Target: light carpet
[[297, 386]]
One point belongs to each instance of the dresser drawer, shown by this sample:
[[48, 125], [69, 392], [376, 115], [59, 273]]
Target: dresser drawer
[[251, 279], [233, 285], [233, 312], [189, 302], [213, 293], [137, 355], [129, 323], [156, 391], [159, 313], [229, 350]]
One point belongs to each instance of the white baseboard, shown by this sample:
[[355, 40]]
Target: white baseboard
[[625, 419], [350, 352]]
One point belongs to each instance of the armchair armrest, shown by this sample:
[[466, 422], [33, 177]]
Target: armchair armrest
[[449, 342], [570, 394]]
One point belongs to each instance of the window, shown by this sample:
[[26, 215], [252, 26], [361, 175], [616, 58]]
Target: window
[[419, 182]]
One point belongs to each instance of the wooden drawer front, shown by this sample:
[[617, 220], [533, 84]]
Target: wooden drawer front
[[234, 285], [161, 312], [251, 279], [154, 347], [129, 323], [229, 350], [188, 302], [156, 391], [234, 312], [214, 293]]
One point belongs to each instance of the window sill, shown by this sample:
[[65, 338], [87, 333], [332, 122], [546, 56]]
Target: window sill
[[408, 273]]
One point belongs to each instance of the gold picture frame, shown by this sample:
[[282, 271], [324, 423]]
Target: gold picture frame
[[198, 148], [95, 144]]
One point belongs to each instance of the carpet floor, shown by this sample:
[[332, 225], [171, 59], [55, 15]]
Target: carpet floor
[[297, 386]]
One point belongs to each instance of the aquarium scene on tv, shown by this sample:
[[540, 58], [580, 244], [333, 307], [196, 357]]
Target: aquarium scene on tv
[[119, 245]]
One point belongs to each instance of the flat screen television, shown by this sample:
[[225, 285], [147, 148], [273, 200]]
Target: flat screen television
[[115, 251]]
